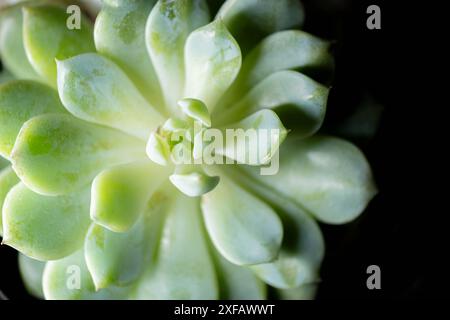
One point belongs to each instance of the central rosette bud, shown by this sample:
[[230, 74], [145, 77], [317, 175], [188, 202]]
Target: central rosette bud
[[191, 145], [179, 142]]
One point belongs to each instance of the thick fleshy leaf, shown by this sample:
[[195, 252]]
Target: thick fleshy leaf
[[120, 194], [236, 282], [302, 248], [251, 20], [213, 60], [47, 37], [194, 183], [8, 179], [257, 138], [299, 101], [120, 258], [168, 26], [12, 52], [94, 89], [20, 101], [196, 110], [120, 35], [327, 176], [69, 279], [284, 50], [301, 255], [158, 149], [31, 271], [42, 227], [183, 267], [243, 228], [57, 154]]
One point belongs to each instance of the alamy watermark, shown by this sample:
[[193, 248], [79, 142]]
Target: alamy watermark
[[374, 19], [374, 280], [211, 146]]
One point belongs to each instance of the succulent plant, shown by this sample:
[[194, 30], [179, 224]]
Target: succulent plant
[[95, 199]]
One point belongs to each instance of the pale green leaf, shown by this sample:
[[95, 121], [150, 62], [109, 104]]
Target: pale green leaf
[[284, 50], [43, 227], [158, 149], [31, 271], [120, 194], [8, 179], [302, 248], [183, 267], [194, 183], [168, 26], [20, 101], [120, 258], [120, 35], [94, 89], [299, 101], [47, 37], [244, 229], [237, 282], [69, 279], [12, 51], [213, 60], [196, 110], [301, 252], [57, 154], [253, 140], [251, 20], [328, 177]]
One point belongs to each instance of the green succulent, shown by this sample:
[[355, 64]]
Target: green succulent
[[94, 198]]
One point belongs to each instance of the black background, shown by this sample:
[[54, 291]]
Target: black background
[[401, 231]]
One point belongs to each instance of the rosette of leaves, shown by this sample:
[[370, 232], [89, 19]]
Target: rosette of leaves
[[94, 199]]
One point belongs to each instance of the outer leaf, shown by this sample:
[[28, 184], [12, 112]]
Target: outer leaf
[[244, 229], [284, 50], [120, 35], [168, 26], [301, 254], [250, 20], [12, 51], [94, 89], [120, 258], [299, 101], [327, 176], [120, 194], [8, 179], [31, 271], [183, 268], [69, 279], [302, 248], [47, 37], [213, 60], [45, 228], [20, 101], [237, 283], [57, 154]]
